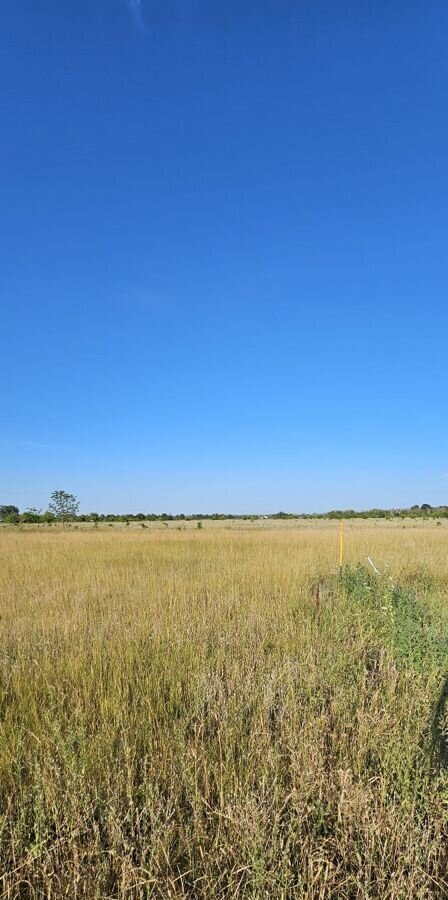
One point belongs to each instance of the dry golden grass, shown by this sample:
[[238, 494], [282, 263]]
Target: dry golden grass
[[212, 714]]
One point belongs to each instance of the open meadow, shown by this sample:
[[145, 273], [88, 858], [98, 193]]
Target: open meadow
[[215, 713]]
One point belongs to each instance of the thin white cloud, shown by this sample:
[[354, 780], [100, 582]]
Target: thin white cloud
[[136, 8]]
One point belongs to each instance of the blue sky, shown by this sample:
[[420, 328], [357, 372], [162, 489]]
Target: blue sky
[[224, 254]]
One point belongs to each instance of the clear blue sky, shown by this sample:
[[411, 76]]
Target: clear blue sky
[[224, 253]]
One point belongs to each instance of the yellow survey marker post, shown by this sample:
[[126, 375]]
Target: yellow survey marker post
[[341, 546]]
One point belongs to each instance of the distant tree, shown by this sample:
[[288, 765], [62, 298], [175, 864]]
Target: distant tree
[[8, 510], [12, 519], [63, 506], [31, 515]]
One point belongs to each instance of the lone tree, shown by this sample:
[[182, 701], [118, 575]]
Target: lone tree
[[64, 506]]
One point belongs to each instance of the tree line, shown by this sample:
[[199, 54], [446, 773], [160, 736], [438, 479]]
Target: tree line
[[63, 507]]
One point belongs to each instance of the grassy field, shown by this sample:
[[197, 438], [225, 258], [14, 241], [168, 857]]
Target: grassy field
[[215, 714]]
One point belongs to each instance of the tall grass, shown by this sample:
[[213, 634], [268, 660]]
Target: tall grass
[[215, 714]]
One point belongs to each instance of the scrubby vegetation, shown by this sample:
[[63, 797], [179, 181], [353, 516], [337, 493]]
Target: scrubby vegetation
[[213, 714], [63, 507]]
